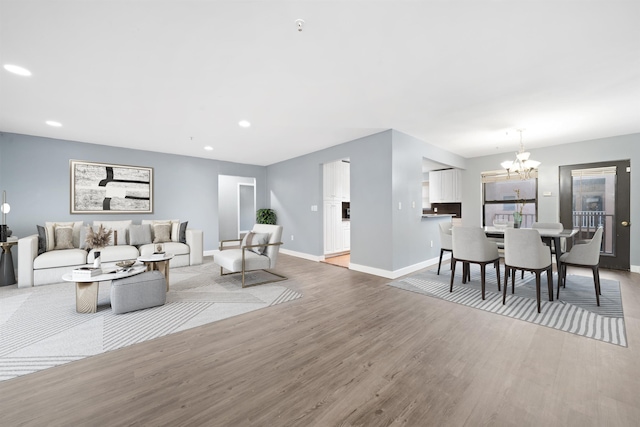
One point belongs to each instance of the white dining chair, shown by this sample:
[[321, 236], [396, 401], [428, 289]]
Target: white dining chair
[[524, 250], [471, 245], [583, 255], [445, 240], [549, 226]]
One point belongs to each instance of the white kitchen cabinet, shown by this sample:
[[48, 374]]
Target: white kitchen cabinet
[[333, 233], [336, 189], [330, 181], [445, 186], [344, 172], [346, 235], [335, 181]]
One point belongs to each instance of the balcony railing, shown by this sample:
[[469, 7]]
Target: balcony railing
[[587, 222]]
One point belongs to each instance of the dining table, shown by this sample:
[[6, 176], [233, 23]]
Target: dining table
[[547, 236]]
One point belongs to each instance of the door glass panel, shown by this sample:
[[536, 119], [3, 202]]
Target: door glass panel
[[594, 192]]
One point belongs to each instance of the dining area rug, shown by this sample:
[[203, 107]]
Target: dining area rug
[[575, 312], [40, 328]]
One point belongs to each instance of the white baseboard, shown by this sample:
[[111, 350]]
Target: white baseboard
[[303, 255], [396, 273], [372, 270], [208, 253], [635, 268]]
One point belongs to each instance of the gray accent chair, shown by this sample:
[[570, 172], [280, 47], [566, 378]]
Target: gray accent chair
[[242, 259], [445, 241], [145, 290], [583, 255], [524, 250], [471, 245]]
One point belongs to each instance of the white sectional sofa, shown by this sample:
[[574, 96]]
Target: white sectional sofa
[[41, 263]]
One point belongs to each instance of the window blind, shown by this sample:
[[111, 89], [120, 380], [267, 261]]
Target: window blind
[[502, 175], [607, 170]]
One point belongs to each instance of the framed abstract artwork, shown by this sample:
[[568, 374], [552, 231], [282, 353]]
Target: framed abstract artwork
[[105, 188]]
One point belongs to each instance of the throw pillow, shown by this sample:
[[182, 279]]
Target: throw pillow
[[162, 233], [139, 234], [42, 239], [51, 232], [182, 238], [175, 231], [171, 222], [252, 238], [64, 237]]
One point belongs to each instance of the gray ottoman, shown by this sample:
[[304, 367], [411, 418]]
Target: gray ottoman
[[145, 290]]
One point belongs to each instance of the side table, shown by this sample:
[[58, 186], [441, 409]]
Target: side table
[[158, 262], [7, 274]]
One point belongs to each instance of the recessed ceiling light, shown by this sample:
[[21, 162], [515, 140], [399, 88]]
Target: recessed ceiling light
[[244, 123], [15, 69], [208, 148], [53, 123]]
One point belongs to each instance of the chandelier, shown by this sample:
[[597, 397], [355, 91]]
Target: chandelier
[[521, 165]]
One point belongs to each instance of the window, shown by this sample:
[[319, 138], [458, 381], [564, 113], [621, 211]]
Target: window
[[500, 197]]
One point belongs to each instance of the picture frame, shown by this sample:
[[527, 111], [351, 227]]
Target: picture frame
[[104, 188]]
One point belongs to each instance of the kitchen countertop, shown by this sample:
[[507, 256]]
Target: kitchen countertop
[[437, 215]]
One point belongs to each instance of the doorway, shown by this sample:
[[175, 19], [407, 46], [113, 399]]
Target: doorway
[[594, 195], [336, 179]]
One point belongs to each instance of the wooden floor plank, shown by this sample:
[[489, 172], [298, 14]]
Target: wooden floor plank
[[352, 351]]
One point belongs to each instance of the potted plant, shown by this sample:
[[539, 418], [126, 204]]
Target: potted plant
[[266, 216], [517, 215]]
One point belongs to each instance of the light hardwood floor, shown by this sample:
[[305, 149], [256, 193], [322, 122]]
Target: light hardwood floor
[[340, 260], [352, 351]]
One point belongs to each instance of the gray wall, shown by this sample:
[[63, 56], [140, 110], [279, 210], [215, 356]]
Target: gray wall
[[386, 169], [35, 173], [612, 148], [412, 234], [296, 185]]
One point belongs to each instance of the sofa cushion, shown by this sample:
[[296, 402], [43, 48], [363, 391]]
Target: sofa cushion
[[182, 234], [61, 258], [51, 232], [42, 239], [120, 227], [114, 253], [139, 234], [169, 247], [252, 238], [231, 260], [175, 227], [64, 237], [161, 232]]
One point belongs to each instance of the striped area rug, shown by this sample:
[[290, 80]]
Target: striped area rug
[[40, 329], [575, 312]]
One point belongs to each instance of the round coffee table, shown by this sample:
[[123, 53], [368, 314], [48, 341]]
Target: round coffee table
[[87, 288], [158, 262]]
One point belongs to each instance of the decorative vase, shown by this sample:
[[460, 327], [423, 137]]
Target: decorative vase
[[517, 219], [96, 259]]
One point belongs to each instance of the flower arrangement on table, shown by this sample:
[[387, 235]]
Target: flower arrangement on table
[[98, 239], [517, 215]]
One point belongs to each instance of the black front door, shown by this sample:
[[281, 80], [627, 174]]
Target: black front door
[[596, 195]]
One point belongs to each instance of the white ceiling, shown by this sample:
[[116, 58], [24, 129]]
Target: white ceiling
[[174, 76]]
